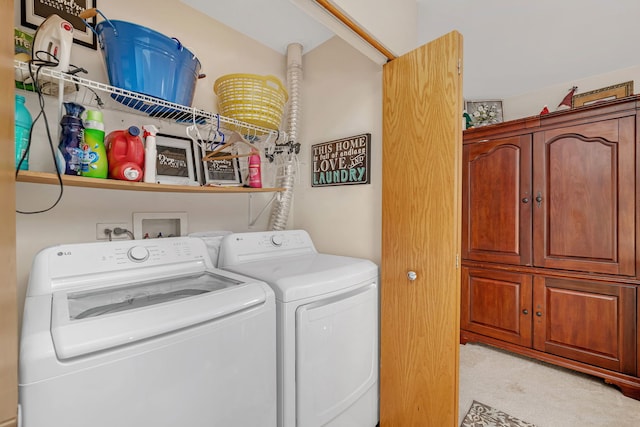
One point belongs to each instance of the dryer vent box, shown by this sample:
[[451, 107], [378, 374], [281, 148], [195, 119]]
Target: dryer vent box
[[152, 225]]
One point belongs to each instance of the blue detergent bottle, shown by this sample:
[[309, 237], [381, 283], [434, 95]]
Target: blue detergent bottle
[[70, 146], [22, 130]]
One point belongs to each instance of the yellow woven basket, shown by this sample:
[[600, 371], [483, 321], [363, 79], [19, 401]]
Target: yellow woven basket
[[258, 100]]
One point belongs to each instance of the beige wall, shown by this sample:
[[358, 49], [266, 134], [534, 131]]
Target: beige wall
[[342, 97]]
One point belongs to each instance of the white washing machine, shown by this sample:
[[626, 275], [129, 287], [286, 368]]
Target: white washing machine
[[327, 311], [145, 333]]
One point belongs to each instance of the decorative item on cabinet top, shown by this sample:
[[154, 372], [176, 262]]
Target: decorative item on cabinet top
[[603, 94], [484, 112]]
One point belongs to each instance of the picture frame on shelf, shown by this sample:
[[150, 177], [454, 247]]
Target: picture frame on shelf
[[223, 172], [484, 112], [34, 12], [608, 93], [176, 161]]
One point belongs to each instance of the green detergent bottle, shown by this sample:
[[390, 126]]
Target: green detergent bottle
[[94, 155]]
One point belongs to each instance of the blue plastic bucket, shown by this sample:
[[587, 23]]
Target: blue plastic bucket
[[142, 60]]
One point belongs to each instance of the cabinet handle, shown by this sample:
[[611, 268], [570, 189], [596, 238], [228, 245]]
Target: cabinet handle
[[539, 313], [411, 275], [525, 200], [525, 311], [539, 198]]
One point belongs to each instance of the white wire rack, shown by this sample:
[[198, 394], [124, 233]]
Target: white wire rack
[[100, 95]]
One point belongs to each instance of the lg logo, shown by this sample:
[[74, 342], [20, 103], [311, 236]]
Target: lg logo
[[64, 253]]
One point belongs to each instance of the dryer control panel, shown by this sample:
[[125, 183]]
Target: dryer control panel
[[239, 248]]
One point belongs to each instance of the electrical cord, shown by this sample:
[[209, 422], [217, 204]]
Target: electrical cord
[[119, 231], [40, 63]]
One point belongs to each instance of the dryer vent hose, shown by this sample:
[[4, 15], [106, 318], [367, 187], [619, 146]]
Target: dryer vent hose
[[282, 205]]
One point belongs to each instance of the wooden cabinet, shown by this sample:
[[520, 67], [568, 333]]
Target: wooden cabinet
[[567, 198], [583, 320], [549, 240]]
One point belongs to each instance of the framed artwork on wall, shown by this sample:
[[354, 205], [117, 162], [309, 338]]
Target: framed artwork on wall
[[34, 12]]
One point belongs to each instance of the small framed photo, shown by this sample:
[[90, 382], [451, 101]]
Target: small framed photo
[[604, 94], [224, 172], [34, 12], [484, 112], [175, 161]]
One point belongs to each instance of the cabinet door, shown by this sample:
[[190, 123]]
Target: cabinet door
[[421, 190], [497, 304], [496, 201], [591, 322], [584, 185]]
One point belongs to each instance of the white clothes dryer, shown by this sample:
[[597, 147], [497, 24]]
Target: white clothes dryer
[[327, 311], [145, 333]]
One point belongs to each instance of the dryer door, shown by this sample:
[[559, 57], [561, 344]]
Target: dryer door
[[336, 354]]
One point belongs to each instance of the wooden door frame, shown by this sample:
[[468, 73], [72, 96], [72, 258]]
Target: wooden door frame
[[8, 281]]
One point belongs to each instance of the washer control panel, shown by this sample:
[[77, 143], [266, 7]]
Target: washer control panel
[[92, 258]]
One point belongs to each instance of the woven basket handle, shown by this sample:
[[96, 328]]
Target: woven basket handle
[[273, 79]]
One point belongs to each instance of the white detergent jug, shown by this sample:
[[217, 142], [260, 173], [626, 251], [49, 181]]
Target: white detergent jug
[[52, 42]]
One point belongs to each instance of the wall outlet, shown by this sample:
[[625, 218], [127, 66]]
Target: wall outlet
[[150, 225], [102, 226]]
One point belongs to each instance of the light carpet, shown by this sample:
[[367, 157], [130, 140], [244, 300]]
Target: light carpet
[[542, 394]]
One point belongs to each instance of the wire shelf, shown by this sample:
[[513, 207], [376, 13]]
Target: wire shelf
[[100, 95]]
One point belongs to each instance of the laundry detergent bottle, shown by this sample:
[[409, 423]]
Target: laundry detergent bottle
[[94, 155], [22, 130], [70, 149], [125, 154]]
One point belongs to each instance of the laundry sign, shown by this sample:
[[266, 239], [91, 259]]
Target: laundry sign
[[344, 161]]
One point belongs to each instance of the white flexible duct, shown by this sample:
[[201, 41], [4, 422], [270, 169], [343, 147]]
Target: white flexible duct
[[282, 205]]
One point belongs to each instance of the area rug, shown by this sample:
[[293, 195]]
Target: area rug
[[481, 415]]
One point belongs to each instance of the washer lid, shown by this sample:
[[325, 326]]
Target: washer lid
[[91, 320], [297, 277]]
